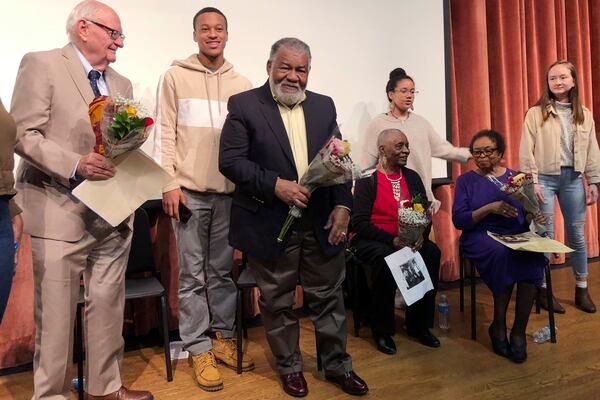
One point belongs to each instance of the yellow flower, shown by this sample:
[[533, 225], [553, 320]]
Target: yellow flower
[[418, 207], [131, 111], [346, 147]]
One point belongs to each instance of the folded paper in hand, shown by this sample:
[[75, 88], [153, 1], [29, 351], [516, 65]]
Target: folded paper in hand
[[137, 180], [410, 273]]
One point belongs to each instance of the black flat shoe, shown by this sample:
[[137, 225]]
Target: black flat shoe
[[501, 347], [518, 349], [385, 344], [425, 337]]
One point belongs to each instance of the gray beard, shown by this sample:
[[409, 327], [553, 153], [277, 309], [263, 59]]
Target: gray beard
[[289, 99]]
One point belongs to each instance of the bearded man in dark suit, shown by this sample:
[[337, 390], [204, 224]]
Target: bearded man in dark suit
[[270, 136]]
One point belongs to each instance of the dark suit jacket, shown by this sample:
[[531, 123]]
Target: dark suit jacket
[[254, 152], [365, 193]]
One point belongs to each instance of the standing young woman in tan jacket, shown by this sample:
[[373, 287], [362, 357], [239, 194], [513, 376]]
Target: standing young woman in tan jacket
[[559, 147], [10, 233]]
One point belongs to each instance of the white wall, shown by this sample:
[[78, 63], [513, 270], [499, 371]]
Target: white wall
[[354, 46]]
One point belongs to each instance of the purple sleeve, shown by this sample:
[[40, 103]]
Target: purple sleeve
[[462, 213]]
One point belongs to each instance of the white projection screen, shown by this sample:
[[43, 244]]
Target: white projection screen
[[354, 44]]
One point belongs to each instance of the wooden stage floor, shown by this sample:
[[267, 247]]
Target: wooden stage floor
[[460, 369]]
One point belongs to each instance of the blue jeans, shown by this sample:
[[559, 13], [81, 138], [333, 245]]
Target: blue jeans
[[568, 186], [7, 254]]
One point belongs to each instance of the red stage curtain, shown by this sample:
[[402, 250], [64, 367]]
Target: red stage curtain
[[500, 52]]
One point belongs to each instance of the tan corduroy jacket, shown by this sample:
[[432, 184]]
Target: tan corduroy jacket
[[539, 152]]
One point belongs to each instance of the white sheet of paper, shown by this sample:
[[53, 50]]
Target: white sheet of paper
[[138, 179], [410, 273]]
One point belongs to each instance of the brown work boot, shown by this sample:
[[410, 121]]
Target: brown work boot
[[123, 394], [543, 301], [583, 301], [225, 351], [205, 369]]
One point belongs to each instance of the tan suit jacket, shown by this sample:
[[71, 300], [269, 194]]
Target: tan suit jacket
[[50, 107]]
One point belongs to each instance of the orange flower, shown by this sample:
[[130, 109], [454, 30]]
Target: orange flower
[[418, 207], [96, 109]]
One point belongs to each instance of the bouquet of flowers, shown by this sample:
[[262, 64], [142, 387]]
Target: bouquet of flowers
[[120, 125], [520, 188], [331, 166], [413, 218]]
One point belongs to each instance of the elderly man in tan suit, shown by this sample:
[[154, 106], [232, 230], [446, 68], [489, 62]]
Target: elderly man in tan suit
[[55, 140]]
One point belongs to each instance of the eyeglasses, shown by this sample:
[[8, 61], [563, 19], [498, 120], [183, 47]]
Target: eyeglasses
[[406, 91], [113, 33], [483, 152]]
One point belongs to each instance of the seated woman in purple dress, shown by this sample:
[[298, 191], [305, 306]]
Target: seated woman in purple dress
[[480, 206], [375, 224]]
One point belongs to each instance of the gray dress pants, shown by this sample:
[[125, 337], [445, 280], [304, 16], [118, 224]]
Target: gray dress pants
[[321, 279], [206, 292]]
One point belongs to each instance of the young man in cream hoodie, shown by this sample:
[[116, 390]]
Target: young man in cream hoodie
[[191, 109]]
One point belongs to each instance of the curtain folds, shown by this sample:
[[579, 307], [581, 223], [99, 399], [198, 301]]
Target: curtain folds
[[501, 50]]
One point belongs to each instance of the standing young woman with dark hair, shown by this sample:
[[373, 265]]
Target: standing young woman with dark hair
[[426, 143], [559, 147]]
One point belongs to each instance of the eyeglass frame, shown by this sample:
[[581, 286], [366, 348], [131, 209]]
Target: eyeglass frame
[[483, 152], [405, 91], [112, 33]]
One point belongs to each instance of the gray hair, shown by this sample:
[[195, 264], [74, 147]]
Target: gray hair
[[290, 43], [87, 9], [384, 134]]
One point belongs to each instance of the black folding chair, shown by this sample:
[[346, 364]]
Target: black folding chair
[[465, 262]]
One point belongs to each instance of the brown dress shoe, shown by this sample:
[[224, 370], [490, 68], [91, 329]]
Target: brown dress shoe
[[543, 302], [350, 383], [294, 384], [583, 301], [123, 394]]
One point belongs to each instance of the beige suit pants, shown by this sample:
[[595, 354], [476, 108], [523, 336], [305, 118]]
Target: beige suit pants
[[57, 267]]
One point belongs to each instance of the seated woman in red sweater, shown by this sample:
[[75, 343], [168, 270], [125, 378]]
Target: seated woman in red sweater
[[375, 224]]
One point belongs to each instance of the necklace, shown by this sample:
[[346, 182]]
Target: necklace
[[399, 118], [395, 186]]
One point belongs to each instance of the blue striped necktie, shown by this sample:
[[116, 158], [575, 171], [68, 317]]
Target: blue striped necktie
[[93, 76]]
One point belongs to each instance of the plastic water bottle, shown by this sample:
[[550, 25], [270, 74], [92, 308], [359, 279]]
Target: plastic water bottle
[[443, 313], [75, 383], [543, 334]]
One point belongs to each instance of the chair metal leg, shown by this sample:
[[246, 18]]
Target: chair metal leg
[[239, 322], [473, 302], [165, 334], [461, 272], [79, 347], [318, 350], [355, 302], [550, 301]]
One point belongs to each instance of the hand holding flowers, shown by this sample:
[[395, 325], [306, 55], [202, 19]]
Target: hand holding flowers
[[120, 125], [413, 218], [331, 166], [521, 188]]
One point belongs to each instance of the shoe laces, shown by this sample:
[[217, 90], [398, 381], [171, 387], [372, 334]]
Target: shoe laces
[[205, 360], [229, 344]]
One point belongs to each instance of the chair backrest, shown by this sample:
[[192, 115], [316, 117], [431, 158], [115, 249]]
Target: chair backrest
[[141, 258]]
